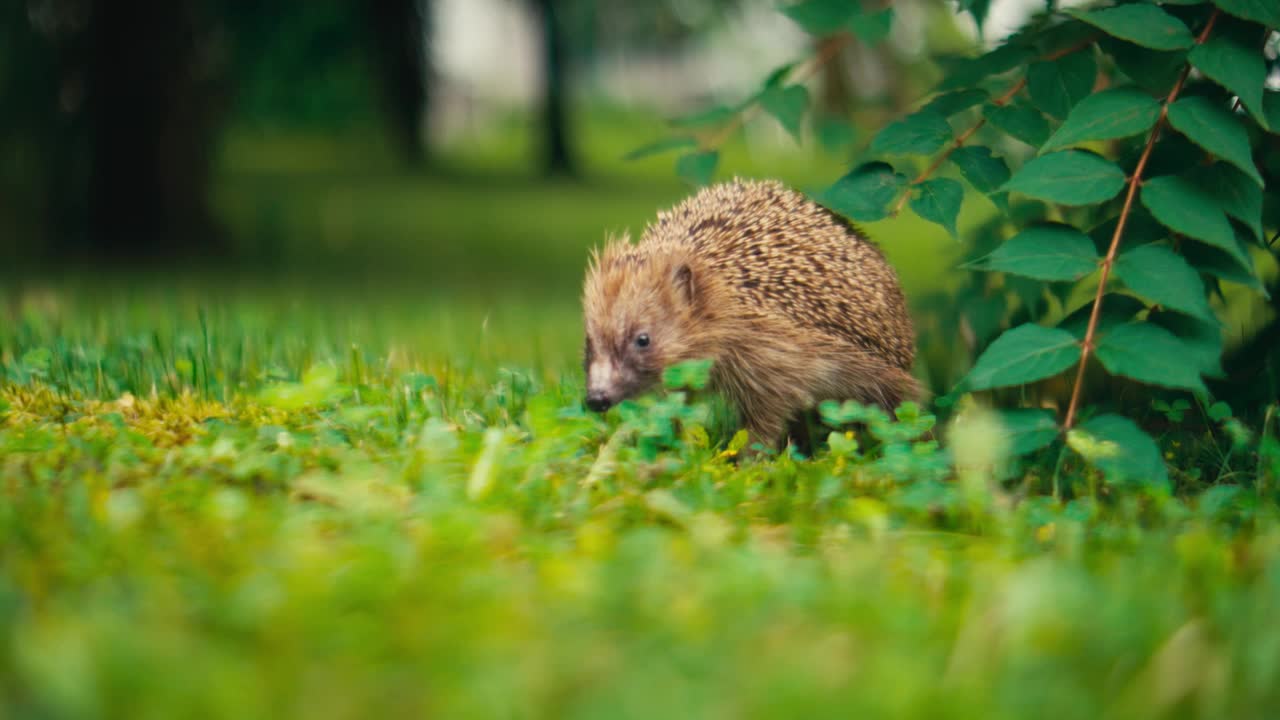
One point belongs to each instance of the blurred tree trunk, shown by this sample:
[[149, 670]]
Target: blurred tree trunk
[[151, 126], [400, 31], [835, 89], [557, 156], [42, 138]]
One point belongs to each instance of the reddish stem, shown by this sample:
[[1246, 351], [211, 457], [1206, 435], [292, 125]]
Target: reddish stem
[[1086, 347], [958, 143], [964, 136]]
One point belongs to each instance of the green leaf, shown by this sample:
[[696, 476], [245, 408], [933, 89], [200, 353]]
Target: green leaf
[[1110, 114], [866, 192], [1271, 110], [661, 146], [938, 201], [978, 9], [1069, 177], [1028, 429], [1239, 197], [1203, 340], [985, 172], [711, 117], [921, 133], [821, 17], [1116, 309], [1234, 63], [1019, 120], [37, 359], [1120, 449], [778, 75], [698, 168], [1181, 205], [1224, 266], [1139, 229], [950, 103], [1161, 276], [984, 313], [691, 374], [872, 28], [1158, 274], [1045, 252], [833, 133], [1154, 70], [967, 72], [1149, 354], [1266, 12], [1216, 129], [1022, 355], [1145, 25], [1056, 86], [787, 105]]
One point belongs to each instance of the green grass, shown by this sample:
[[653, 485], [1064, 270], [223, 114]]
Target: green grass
[[354, 479], [266, 502]]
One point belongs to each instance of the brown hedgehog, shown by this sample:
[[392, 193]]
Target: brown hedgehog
[[789, 301]]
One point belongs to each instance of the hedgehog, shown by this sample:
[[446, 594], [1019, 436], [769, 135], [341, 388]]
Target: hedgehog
[[791, 303]]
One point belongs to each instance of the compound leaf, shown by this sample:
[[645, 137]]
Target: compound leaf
[[1266, 12], [698, 168], [787, 105], [1150, 354], [1120, 449], [1028, 429], [1184, 206], [938, 201], [1045, 252], [1145, 25], [1160, 275], [865, 192], [1215, 129], [920, 133], [1019, 120], [1110, 114], [1022, 355], [1069, 177], [1229, 60], [1056, 86]]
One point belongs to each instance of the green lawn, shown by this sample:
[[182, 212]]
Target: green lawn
[[285, 503], [354, 479]]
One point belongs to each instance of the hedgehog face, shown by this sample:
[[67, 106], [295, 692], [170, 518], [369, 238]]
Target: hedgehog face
[[636, 309], [627, 365]]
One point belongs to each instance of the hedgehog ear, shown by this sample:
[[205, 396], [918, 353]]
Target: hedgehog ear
[[685, 284]]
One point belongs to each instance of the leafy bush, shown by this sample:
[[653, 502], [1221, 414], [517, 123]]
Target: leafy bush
[[1128, 149]]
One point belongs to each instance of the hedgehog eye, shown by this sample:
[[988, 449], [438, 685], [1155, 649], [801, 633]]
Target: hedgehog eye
[[642, 340]]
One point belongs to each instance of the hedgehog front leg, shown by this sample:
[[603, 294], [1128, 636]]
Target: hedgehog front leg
[[768, 431], [767, 383]]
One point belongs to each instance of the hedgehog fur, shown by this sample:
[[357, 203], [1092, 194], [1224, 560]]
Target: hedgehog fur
[[791, 303]]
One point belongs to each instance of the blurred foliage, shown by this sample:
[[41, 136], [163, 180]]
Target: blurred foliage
[[300, 70], [1058, 126], [353, 476], [298, 505]]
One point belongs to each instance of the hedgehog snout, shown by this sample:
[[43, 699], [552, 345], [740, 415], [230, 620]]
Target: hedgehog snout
[[602, 385], [599, 401]]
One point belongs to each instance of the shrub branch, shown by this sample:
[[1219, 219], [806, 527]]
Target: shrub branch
[[1135, 180], [1004, 99], [956, 144]]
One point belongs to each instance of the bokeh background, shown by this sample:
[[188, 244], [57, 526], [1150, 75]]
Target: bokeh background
[[441, 166], [459, 144]]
